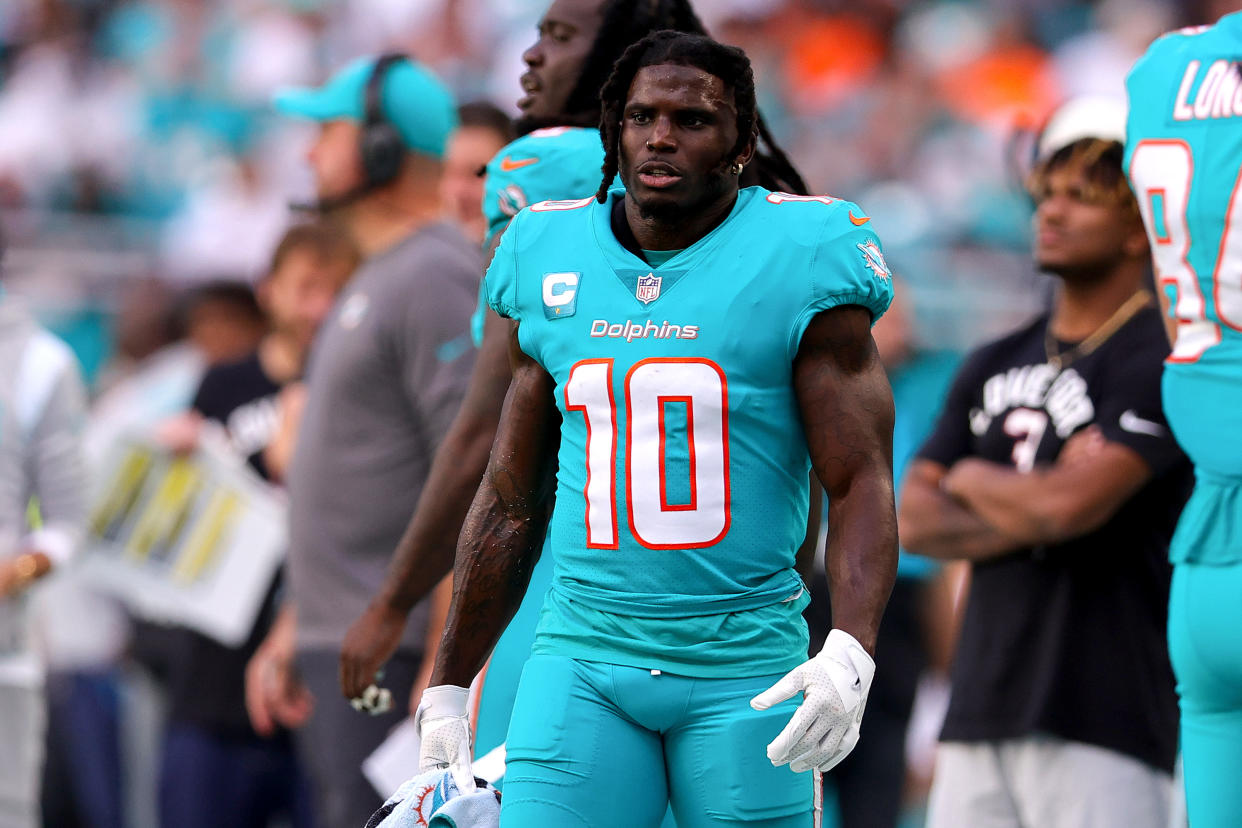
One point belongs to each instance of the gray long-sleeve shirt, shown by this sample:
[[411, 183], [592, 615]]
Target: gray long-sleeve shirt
[[42, 414], [386, 376]]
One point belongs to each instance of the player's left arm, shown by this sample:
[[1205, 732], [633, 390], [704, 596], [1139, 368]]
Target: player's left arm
[[847, 414]]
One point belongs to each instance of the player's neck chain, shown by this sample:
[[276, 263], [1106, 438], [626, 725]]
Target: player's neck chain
[[1059, 359]]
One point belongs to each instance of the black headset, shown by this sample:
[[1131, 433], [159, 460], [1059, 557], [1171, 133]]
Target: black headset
[[381, 146]]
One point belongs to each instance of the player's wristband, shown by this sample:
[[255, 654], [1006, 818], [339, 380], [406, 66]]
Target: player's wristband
[[445, 701], [842, 646]]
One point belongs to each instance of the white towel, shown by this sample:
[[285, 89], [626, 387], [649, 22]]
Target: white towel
[[434, 798], [478, 809]]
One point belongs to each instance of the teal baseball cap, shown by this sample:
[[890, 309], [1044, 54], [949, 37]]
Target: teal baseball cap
[[413, 100]]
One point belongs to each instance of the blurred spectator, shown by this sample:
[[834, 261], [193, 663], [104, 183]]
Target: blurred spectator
[[216, 769], [101, 748], [223, 321], [385, 379], [144, 323], [83, 634], [482, 131], [164, 344], [1053, 472], [42, 408]]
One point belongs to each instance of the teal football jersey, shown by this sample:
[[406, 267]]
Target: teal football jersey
[[544, 165], [683, 470], [1183, 156], [547, 164]]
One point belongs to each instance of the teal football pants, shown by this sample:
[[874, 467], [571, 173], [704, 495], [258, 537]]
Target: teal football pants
[[1205, 615], [595, 745]]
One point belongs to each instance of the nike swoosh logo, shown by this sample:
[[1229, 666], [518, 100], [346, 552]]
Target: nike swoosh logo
[[1135, 424], [858, 222], [509, 165]]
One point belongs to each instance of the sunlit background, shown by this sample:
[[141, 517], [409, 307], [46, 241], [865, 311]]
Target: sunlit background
[[140, 157], [138, 146]]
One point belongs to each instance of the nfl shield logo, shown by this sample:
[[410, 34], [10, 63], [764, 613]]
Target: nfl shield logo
[[648, 288]]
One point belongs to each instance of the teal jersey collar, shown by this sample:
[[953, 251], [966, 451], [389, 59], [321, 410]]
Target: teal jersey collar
[[658, 258], [621, 259]]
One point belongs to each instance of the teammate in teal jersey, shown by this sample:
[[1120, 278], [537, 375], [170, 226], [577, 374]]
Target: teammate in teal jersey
[[547, 164], [579, 41], [552, 161], [696, 347], [1183, 153]]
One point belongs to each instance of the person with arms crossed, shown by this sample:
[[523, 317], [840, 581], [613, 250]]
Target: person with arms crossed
[[1052, 471], [384, 380], [671, 644], [1183, 151], [559, 156]]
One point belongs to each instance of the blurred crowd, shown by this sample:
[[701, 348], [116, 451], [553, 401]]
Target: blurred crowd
[[139, 141], [146, 184]]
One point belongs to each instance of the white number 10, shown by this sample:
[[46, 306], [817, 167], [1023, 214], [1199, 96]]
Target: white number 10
[[650, 387]]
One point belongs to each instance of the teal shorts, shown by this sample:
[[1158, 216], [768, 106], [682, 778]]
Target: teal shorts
[[765, 640], [1205, 616], [594, 745]]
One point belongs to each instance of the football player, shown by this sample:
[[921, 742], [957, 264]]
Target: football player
[[694, 356], [559, 156], [1183, 149]]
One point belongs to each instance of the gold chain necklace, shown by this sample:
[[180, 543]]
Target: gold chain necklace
[[1060, 359]]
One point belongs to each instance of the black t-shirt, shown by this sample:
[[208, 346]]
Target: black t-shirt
[[207, 682], [1069, 639], [243, 398]]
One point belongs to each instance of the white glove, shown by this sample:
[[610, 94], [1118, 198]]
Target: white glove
[[824, 728], [444, 730]]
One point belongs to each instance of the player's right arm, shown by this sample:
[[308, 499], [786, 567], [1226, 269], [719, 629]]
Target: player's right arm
[[497, 551], [847, 414]]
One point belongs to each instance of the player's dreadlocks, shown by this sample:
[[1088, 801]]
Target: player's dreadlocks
[[728, 63], [624, 23]]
